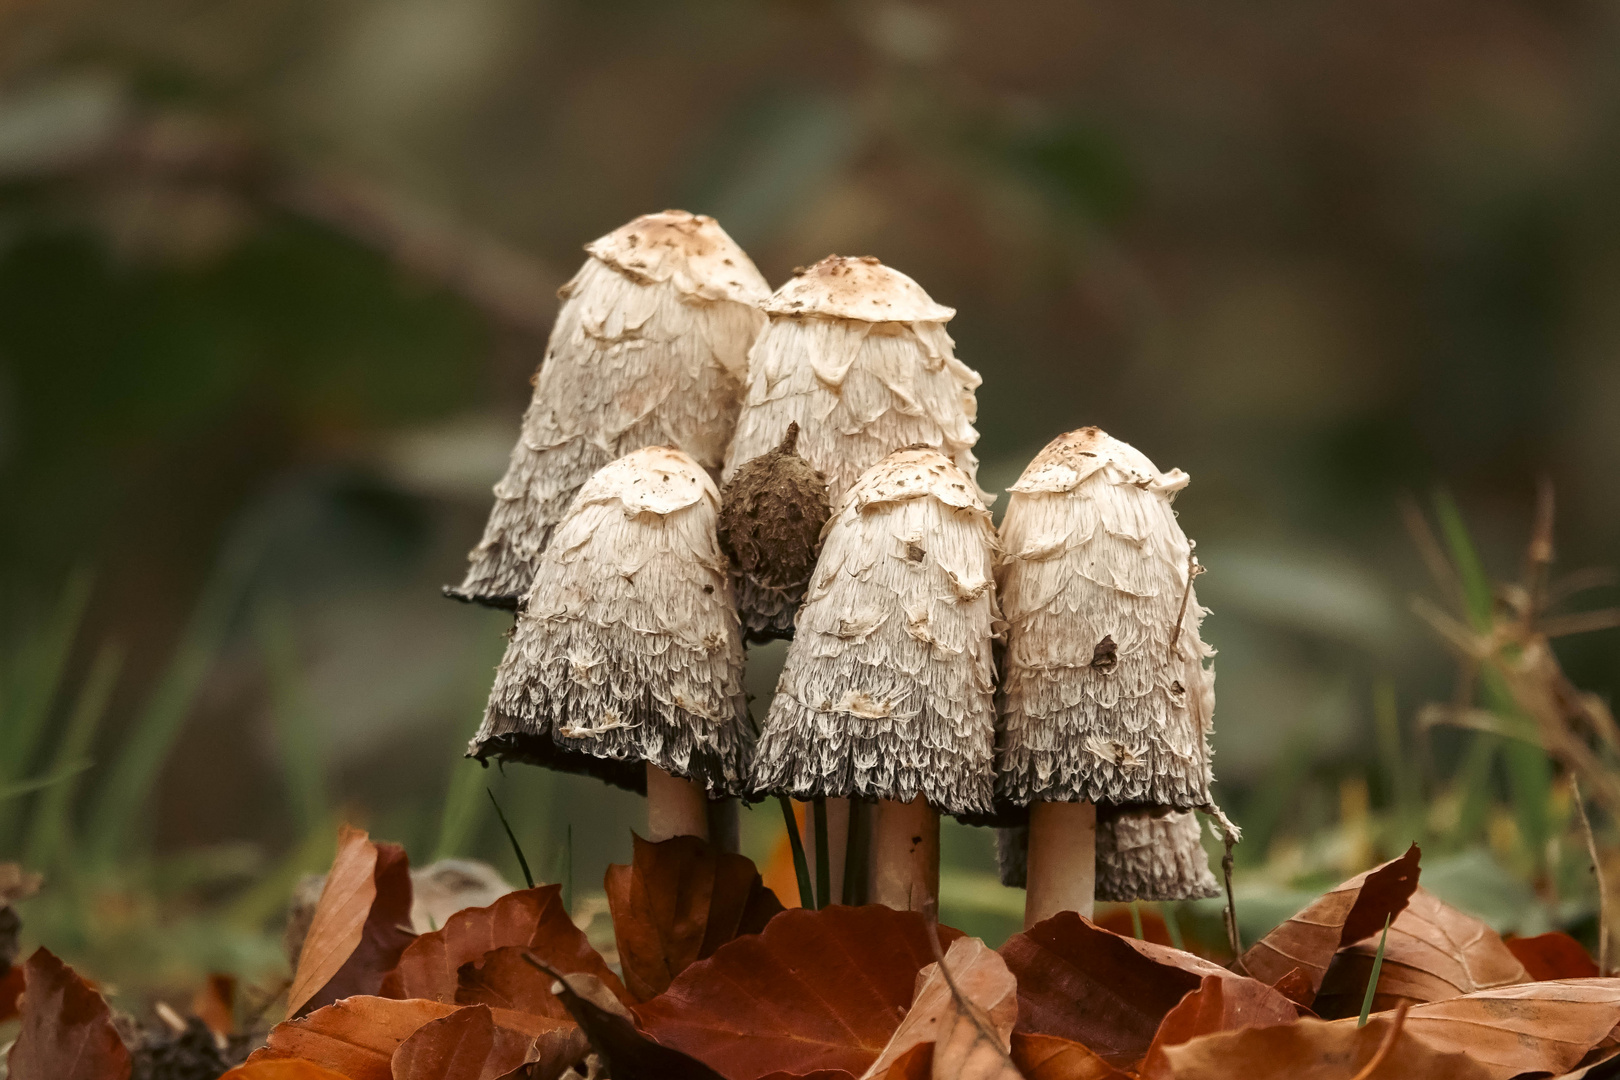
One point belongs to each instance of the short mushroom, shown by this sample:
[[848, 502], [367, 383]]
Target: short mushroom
[[771, 514], [650, 347], [1101, 697], [626, 662], [888, 689], [857, 355]]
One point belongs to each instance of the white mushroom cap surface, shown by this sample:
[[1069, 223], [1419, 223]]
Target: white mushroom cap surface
[[1102, 698], [627, 650], [649, 348], [887, 692], [857, 355]]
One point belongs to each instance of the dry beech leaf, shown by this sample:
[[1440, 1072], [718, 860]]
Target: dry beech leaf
[[1553, 956], [502, 979], [1047, 1057], [533, 919], [479, 1043], [11, 988], [1296, 987], [356, 1037], [67, 1031], [1433, 952], [935, 1017], [1351, 912], [916, 1063], [1317, 1050], [1079, 982], [360, 926], [282, 1069], [676, 903], [1217, 1005], [1535, 1027], [215, 1004], [816, 990], [628, 1053]]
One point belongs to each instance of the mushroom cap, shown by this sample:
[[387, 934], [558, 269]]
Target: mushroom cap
[[1143, 853], [1102, 690], [627, 650], [650, 347], [856, 287], [771, 515], [690, 250], [887, 692]]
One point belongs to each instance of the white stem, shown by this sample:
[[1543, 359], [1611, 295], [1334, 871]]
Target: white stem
[[837, 847], [1062, 868], [904, 862], [675, 806]]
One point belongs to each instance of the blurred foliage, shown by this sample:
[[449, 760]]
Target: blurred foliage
[[273, 279]]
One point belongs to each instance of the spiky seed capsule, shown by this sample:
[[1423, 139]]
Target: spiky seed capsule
[[771, 514], [650, 348], [627, 650], [1104, 695], [857, 354], [887, 689]]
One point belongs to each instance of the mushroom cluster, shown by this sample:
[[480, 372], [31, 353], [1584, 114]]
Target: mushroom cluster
[[851, 524]]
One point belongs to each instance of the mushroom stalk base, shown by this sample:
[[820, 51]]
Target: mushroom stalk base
[[675, 806], [904, 872], [837, 848], [1062, 860]]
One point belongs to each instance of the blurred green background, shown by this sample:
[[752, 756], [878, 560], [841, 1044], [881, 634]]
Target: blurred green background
[[274, 276]]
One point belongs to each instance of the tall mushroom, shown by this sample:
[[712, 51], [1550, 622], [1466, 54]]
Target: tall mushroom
[[857, 355], [888, 690], [650, 347], [626, 662], [1143, 853], [1102, 690]]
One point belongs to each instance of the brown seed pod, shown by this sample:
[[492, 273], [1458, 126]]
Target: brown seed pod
[[627, 651], [649, 348], [771, 515], [857, 355]]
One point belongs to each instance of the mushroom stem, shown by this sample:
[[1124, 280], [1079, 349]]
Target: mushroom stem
[[837, 848], [1062, 873], [675, 806], [904, 870]]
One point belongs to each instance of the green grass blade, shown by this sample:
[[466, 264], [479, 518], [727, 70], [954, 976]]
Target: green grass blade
[[1136, 921], [51, 824], [1477, 595], [1372, 978], [17, 789], [463, 809], [33, 683], [517, 848], [823, 860], [123, 797], [1400, 778], [1172, 925], [801, 868], [303, 761]]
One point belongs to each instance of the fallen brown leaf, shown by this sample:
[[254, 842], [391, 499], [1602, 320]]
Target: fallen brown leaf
[[282, 1069], [1047, 1057], [816, 990], [1553, 956], [470, 1044], [11, 988], [676, 903], [503, 980], [1079, 982], [1318, 1050], [1217, 1005], [360, 927], [937, 1019], [1535, 1027], [915, 1064], [1351, 912], [533, 919], [67, 1031], [627, 1052], [356, 1037], [215, 1004]]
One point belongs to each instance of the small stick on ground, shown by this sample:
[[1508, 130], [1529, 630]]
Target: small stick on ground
[[931, 917], [1597, 869]]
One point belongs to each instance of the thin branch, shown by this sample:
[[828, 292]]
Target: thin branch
[[931, 920], [1597, 870], [1193, 570], [1583, 622], [1428, 545]]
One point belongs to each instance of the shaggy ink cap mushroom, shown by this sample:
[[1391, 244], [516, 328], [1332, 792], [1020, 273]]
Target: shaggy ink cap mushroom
[[887, 691], [1103, 696], [857, 355], [1143, 853], [627, 651], [771, 515], [649, 348]]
